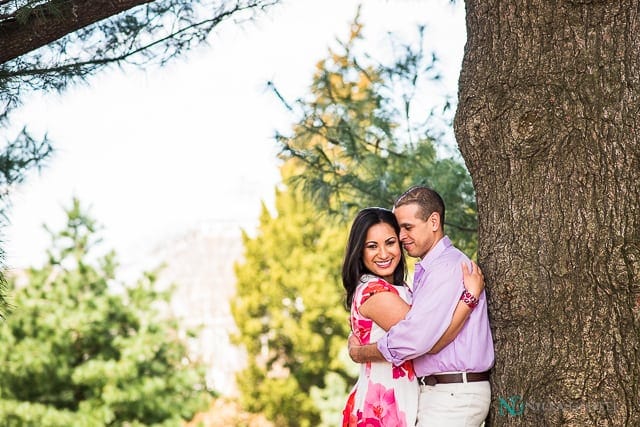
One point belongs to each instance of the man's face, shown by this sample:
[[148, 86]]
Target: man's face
[[416, 235]]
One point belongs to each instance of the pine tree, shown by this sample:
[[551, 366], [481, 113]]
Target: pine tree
[[290, 311], [82, 349], [362, 139]]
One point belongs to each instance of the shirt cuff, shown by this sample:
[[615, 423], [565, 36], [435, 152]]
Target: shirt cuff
[[383, 347]]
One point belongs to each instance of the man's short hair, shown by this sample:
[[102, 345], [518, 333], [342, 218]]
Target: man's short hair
[[426, 198]]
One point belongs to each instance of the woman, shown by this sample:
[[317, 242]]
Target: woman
[[373, 275]]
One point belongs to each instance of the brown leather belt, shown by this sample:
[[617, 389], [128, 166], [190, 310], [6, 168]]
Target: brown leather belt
[[453, 378]]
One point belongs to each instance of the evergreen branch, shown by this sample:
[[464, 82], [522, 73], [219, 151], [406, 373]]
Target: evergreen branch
[[275, 90], [115, 59]]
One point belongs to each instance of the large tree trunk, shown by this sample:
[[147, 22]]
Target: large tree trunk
[[548, 122]]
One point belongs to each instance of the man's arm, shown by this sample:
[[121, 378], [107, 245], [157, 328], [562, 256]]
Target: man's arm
[[474, 283], [433, 304], [363, 353], [385, 309], [460, 317]]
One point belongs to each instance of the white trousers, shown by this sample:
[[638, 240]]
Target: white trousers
[[454, 405]]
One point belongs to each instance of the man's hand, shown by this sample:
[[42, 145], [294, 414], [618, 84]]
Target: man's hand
[[354, 345], [363, 353]]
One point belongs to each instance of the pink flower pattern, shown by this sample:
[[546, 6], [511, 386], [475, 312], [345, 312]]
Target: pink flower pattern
[[405, 369], [379, 407]]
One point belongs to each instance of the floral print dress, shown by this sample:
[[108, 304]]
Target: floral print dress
[[385, 395]]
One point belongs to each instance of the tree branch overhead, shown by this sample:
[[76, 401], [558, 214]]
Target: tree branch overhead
[[29, 28]]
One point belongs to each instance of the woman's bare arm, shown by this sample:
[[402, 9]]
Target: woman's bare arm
[[385, 308]]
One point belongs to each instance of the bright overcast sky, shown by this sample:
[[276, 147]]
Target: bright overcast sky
[[156, 153]]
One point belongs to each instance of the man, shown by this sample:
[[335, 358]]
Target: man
[[454, 386]]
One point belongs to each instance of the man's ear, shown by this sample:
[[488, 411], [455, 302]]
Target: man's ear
[[434, 221]]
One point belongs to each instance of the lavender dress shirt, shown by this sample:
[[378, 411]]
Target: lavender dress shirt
[[435, 296]]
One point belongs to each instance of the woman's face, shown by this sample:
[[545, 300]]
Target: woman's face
[[381, 254]]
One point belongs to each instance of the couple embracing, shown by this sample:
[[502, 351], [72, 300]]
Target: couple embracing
[[426, 351]]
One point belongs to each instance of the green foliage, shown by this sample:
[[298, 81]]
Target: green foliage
[[361, 140], [331, 399], [18, 156], [290, 311], [82, 349]]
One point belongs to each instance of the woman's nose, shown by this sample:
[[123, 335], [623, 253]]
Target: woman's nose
[[383, 252]]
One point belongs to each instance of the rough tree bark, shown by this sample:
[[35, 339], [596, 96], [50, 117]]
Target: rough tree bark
[[548, 122]]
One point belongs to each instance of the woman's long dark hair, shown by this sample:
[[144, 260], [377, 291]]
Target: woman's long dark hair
[[353, 267]]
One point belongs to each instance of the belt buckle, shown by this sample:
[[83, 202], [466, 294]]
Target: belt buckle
[[429, 380]]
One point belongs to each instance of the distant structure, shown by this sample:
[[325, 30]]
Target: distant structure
[[200, 265]]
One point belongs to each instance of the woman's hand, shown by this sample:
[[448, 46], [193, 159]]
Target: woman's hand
[[473, 280]]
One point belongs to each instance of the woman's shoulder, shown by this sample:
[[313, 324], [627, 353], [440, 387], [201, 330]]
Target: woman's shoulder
[[371, 284], [372, 278]]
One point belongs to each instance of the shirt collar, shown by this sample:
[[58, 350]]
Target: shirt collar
[[435, 252]]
